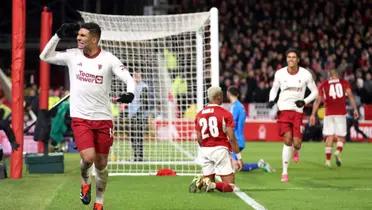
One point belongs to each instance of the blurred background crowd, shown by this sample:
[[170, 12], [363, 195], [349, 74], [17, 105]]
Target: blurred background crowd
[[254, 36]]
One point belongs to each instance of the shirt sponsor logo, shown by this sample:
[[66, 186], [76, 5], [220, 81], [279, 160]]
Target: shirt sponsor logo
[[91, 78], [99, 66], [296, 89]]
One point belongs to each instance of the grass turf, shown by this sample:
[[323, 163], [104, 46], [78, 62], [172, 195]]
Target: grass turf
[[311, 185]]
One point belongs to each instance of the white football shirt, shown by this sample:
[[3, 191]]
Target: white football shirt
[[292, 88], [90, 79]]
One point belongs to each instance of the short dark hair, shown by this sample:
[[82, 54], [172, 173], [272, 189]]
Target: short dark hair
[[233, 91], [93, 28], [293, 50]]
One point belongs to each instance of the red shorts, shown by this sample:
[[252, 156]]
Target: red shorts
[[290, 121], [93, 134]]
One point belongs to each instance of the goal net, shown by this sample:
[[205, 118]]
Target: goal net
[[176, 58]]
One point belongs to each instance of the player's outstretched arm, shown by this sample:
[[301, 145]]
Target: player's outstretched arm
[[315, 109], [313, 90], [352, 102], [273, 92], [49, 53], [122, 72]]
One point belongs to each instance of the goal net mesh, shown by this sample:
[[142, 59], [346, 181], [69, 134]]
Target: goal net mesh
[[171, 56]]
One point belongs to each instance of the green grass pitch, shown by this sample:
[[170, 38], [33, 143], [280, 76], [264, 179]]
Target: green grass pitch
[[311, 185]]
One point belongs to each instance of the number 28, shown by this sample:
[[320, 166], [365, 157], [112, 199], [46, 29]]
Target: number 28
[[211, 124]]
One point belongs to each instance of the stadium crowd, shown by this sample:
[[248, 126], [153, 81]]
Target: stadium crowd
[[254, 36]]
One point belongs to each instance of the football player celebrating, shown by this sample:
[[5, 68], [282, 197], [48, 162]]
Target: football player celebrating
[[90, 71], [333, 93], [292, 81]]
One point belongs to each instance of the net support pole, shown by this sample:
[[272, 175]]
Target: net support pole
[[215, 59], [44, 67], [18, 65], [199, 70]]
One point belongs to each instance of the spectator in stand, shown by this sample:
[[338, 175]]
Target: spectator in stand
[[261, 93], [5, 114]]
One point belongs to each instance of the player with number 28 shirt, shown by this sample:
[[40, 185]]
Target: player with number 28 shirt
[[214, 127]]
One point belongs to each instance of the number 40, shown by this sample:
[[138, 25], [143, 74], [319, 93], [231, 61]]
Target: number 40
[[336, 91]]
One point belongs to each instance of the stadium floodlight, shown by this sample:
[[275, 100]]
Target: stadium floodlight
[[177, 56]]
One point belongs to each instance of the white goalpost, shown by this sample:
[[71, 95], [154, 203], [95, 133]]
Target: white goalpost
[[177, 58]]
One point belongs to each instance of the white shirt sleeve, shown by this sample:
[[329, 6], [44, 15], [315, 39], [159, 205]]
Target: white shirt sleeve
[[122, 72], [50, 55], [275, 88], [313, 90]]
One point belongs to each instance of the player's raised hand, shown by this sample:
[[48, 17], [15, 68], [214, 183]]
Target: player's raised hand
[[68, 30], [125, 98], [300, 103]]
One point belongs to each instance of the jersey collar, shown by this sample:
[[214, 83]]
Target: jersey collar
[[94, 55]]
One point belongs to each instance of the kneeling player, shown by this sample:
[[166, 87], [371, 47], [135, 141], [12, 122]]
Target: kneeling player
[[215, 135]]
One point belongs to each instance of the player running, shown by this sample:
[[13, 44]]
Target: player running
[[292, 81], [90, 71], [215, 135], [333, 93]]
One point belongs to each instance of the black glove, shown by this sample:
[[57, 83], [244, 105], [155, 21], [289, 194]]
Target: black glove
[[300, 103], [14, 146], [125, 98], [68, 30], [270, 104]]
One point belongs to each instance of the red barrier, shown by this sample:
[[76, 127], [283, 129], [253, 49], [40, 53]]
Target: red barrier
[[368, 111], [262, 130]]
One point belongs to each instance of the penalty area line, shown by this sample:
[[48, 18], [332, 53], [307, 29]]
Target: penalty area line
[[248, 200]]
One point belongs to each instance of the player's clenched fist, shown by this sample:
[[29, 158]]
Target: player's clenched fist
[[68, 30], [125, 98], [300, 103]]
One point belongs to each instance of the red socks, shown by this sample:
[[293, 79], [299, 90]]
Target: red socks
[[224, 187], [328, 153], [340, 146]]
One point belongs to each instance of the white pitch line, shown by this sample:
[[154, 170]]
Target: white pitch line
[[248, 200], [314, 188]]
